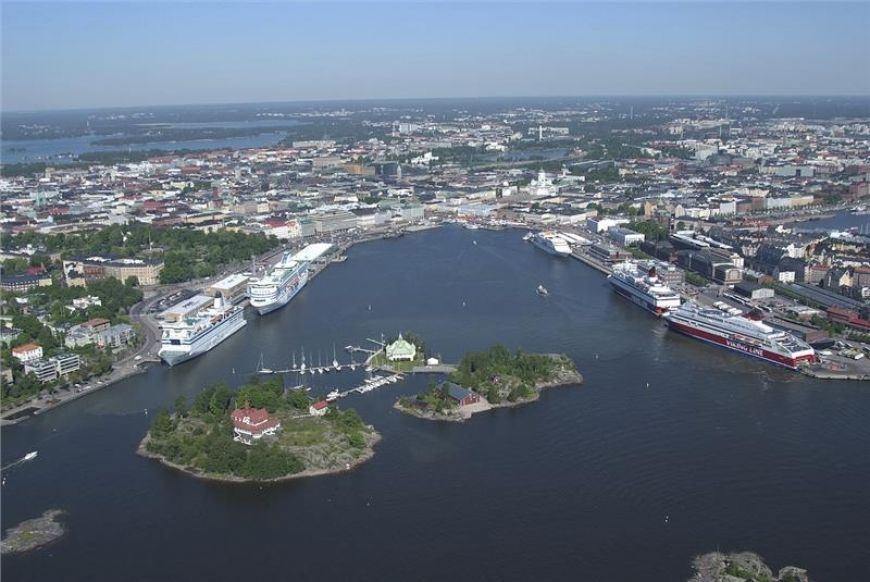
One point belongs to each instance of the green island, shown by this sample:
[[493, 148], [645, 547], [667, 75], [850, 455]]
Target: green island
[[33, 533], [741, 567], [212, 439], [491, 379]]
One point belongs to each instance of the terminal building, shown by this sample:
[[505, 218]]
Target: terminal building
[[232, 289]]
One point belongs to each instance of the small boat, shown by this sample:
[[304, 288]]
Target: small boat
[[332, 396], [474, 242], [31, 455], [542, 291]]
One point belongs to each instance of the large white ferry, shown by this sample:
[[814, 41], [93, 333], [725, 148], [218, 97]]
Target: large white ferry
[[279, 285], [643, 287], [197, 325], [738, 333], [550, 242]]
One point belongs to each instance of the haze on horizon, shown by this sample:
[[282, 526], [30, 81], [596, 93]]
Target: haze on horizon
[[93, 55]]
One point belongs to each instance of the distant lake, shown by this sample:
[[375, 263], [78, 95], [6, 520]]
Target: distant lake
[[64, 150], [841, 221]]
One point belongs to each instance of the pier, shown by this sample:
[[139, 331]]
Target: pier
[[367, 386]]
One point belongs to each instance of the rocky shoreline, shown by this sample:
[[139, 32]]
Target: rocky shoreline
[[741, 567], [560, 379], [367, 453], [33, 533]]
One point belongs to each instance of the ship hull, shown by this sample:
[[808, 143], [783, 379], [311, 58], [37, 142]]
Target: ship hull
[[549, 249], [202, 345], [790, 362], [643, 301], [282, 300]]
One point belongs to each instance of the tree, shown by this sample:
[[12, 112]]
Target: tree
[[162, 424], [181, 405]]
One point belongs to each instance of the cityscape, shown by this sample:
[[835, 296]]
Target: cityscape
[[636, 323]]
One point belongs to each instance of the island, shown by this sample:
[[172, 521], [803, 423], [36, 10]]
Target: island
[[491, 379], [263, 432], [741, 567], [33, 533]]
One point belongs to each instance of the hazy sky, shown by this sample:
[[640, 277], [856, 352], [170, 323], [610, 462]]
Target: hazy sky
[[71, 55]]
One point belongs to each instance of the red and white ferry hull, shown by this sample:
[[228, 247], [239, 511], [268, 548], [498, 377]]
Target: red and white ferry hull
[[790, 362]]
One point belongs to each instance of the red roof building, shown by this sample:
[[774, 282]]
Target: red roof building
[[319, 408], [27, 352], [251, 424]]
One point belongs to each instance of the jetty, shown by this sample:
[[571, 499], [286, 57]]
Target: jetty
[[367, 386]]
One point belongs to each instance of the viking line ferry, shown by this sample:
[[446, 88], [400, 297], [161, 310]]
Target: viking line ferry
[[740, 334], [643, 287]]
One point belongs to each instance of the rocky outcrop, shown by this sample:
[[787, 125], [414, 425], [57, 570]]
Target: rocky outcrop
[[33, 533], [741, 567]]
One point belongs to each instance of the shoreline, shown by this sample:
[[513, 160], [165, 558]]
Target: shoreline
[[33, 534], [563, 379], [368, 454]]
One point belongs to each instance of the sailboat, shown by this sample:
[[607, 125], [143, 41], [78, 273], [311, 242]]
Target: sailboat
[[261, 369], [319, 363], [335, 359], [302, 367]]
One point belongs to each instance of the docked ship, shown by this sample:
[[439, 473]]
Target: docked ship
[[740, 334], [643, 287], [550, 242], [197, 325], [279, 285]]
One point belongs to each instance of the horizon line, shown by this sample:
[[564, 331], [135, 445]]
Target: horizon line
[[454, 98]]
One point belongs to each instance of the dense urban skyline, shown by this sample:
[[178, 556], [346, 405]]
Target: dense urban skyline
[[80, 55]]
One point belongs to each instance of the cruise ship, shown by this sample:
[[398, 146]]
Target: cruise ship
[[197, 325], [643, 287], [279, 285], [740, 334], [550, 242]]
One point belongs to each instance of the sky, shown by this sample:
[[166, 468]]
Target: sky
[[123, 54]]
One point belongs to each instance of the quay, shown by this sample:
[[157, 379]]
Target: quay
[[589, 261]]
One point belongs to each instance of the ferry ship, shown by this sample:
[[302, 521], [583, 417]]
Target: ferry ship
[[195, 333], [279, 285], [740, 334], [643, 287], [550, 242]]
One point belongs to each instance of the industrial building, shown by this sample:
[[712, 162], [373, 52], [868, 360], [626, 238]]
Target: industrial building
[[753, 291]]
